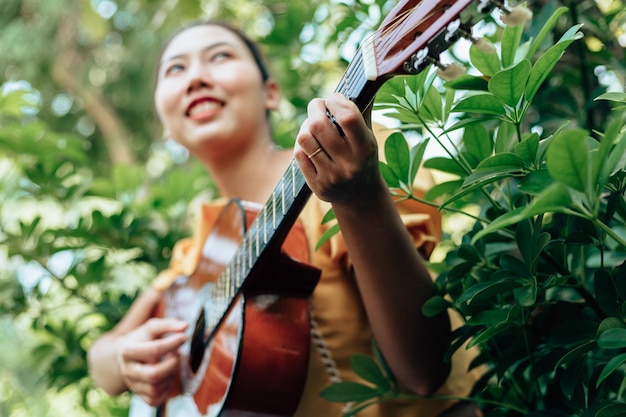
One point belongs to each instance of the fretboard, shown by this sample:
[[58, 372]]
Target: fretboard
[[269, 229]]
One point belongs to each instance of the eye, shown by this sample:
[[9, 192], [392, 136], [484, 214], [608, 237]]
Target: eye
[[221, 55], [174, 68]]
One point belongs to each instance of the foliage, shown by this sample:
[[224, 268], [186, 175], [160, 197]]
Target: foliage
[[539, 274], [81, 245]]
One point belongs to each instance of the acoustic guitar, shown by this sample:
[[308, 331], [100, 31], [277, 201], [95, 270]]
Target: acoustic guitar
[[248, 300]]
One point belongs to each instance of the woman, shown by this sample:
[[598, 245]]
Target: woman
[[212, 96]]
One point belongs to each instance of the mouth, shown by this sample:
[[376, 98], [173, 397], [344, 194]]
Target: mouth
[[203, 108]]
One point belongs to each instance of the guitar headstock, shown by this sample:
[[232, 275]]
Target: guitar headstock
[[416, 32]]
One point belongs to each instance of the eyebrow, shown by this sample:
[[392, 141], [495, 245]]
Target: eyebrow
[[205, 49]]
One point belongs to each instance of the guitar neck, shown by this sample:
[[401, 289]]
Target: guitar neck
[[274, 220], [408, 41]]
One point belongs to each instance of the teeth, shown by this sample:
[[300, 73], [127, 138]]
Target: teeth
[[203, 107]]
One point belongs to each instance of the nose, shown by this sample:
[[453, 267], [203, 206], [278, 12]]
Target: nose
[[198, 78]]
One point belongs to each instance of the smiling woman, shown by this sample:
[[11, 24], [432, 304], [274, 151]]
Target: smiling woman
[[212, 96]]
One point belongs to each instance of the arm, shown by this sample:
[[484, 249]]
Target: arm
[[391, 276], [140, 353]]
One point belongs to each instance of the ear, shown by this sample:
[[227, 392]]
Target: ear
[[272, 94]]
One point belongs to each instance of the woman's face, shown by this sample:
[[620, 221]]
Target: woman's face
[[210, 90]]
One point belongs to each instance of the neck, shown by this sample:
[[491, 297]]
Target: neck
[[252, 174]]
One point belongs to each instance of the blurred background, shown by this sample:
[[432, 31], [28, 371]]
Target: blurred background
[[92, 196]]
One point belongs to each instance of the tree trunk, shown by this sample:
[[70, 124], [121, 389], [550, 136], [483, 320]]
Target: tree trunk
[[66, 71]]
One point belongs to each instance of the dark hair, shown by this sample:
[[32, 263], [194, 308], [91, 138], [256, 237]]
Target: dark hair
[[252, 46]]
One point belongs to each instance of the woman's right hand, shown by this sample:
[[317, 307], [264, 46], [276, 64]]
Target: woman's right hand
[[149, 360]]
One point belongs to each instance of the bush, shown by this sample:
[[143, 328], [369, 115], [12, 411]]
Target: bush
[[539, 274]]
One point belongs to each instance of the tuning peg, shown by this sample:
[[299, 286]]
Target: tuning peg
[[516, 16], [483, 45], [451, 71]]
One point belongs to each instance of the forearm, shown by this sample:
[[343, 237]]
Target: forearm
[[104, 365], [394, 284], [103, 357]]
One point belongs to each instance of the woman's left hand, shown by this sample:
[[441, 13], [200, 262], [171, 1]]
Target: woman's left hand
[[337, 151]]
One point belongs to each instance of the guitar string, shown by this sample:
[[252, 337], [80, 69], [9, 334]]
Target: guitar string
[[385, 39]]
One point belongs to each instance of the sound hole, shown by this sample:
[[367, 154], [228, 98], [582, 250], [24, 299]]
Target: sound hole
[[198, 346]]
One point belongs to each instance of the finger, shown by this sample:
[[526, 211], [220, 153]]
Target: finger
[[151, 380], [307, 149], [152, 351], [154, 395], [157, 327], [347, 115]]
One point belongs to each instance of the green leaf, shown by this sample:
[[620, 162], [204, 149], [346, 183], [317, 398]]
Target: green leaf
[[463, 123], [553, 199], [416, 155], [447, 188], [509, 84], [545, 30], [614, 158], [526, 295], [397, 155], [496, 166], [611, 367], [435, 305], [366, 367], [480, 103], [505, 138], [612, 96], [348, 391], [509, 43], [488, 63], [432, 106], [535, 182], [388, 175], [488, 318], [570, 379], [478, 142], [468, 82], [489, 333], [487, 289], [614, 338], [567, 159], [447, 165], [548, 60], [332, 231], [330, 215], [612, 410], [527, 149], [600, 169]]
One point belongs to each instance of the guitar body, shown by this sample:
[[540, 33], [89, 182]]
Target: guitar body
[[254, 361]]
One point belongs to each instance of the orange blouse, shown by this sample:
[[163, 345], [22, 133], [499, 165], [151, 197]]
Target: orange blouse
[[340, 324]]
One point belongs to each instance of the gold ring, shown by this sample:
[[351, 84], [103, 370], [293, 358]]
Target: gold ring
[[315, 153]]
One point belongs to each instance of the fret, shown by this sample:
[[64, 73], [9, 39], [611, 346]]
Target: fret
[[282, 192], [249, 252], [293, 179], [227, 280], [242, 256], [237, 269], [256, 234], [274, 211], [265, 225]]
